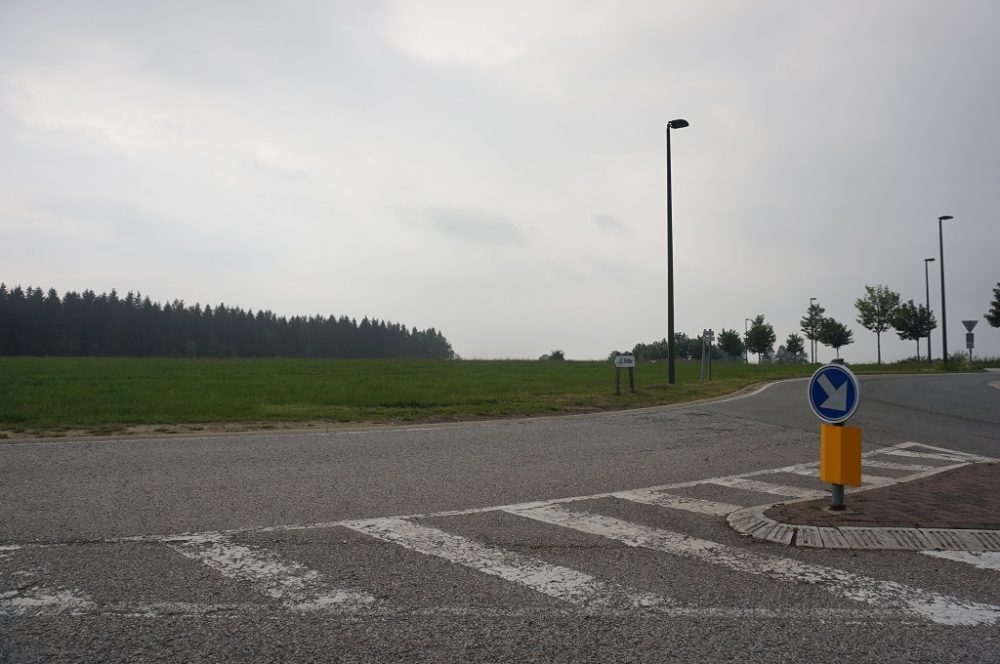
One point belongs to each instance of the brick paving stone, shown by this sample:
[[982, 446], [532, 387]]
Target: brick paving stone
[[967, 497]]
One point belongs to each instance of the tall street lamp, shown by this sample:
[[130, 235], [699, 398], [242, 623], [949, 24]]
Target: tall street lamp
[[927, 288], [812, 330], [673, 124], [746, 331], [944, 315]]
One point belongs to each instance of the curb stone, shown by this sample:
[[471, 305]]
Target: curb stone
[[751, 521]]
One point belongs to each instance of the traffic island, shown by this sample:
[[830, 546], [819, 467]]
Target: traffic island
[[954, 510]]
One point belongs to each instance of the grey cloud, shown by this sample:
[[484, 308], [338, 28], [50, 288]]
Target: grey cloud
[[471, 226], [608, 223]]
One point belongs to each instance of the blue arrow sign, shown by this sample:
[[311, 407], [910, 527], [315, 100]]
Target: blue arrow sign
[[834, 393]]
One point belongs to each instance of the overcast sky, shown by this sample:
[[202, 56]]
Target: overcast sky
[[497, 169]]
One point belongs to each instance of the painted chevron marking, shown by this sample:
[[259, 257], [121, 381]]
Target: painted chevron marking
[[297, 586], [765, 487], [556, 581], [938, 608], [660, 499]]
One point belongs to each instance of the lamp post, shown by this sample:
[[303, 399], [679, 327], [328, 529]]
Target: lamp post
[[746, 351], [673, 124], [927, 288], [944, 315], [812, 331]]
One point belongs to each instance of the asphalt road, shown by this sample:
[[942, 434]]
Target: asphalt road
[[504, 541]]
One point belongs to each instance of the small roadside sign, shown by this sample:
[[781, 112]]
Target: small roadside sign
[[970, 324], [834, 393], [625, 361]]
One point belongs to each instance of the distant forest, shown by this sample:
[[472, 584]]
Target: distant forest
[[34, 322]]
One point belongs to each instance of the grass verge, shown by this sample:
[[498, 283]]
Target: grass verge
[[103, 396]]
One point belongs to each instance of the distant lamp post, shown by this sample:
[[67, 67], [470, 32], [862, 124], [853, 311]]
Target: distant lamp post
[[812, 331], [673, 124], [746, 331], [927, 289], [944, 314]]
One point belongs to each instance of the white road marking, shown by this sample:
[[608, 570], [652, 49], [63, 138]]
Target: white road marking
[[926, 455], [877, 480], [965, 457], [765, 487], [660, 499], [808, 470], [891, 465], [981, 559], [800, 469], [556, 581], [297, 586], [939, 608], [40, 598], [302, 588], [7, 550]]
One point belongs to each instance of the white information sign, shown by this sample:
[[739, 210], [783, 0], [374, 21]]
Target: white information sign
[[624, 361]]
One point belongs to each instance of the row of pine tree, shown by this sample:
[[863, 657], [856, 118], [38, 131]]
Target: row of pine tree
[[35, 322]]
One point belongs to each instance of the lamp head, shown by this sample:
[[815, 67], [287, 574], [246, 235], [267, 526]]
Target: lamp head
[[945, 217], [928, 260], [677, 124]]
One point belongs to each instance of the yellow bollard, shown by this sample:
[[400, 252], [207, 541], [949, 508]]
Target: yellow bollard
[[840, 454]]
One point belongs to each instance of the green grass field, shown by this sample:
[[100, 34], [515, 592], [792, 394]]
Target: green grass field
[[52, 396]]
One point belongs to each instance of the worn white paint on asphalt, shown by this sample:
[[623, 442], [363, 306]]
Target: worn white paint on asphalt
[[981, 559], [556, 581], [939, 608], [892, 465], [938, 456], [660, 499], [7, 550], [297, 586], [42, 598], [765, 487], [301, 588]]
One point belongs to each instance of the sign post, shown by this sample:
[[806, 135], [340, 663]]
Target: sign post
[[707, 337], [624, 361], [834, 394], [970, 338]]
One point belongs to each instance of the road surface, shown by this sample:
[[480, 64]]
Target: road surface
[[585, 538]]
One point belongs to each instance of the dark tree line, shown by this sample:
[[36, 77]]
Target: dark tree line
[[687, 348], [34, 322]]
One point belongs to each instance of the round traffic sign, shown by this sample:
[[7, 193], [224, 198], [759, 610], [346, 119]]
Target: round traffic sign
[[834, 393]]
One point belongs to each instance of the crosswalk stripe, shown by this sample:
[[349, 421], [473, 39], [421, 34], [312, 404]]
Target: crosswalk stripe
[[890, 465], [886, 594], [981, 559], [660, 499], [296, 585], [765, 487], [877, 480], [930, 455], [811, 470], [43, 598], [965, 457], [556, 581]]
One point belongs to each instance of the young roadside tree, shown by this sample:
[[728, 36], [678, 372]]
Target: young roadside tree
[[810, 324], [760, 337], [731, 344], [875, 311], [795, 347], [913, 322], [835, 335], [993, 315]]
